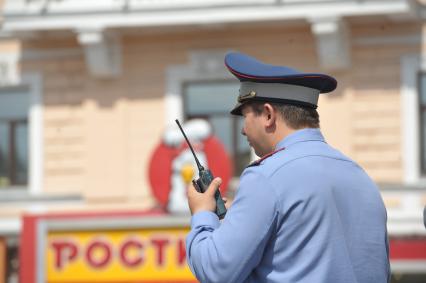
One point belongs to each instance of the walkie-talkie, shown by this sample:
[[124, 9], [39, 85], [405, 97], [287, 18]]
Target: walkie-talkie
[[206, 177]]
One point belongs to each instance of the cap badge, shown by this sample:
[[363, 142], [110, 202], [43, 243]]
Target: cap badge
[[246, 96]]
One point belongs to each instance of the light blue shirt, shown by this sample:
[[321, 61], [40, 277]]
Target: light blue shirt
[[305, 214]]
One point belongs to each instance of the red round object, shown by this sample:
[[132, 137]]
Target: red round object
[[160, 166]]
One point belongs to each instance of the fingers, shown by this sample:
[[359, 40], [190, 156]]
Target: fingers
[[191, 191], [228, 203], [214, 185], [203, 201]]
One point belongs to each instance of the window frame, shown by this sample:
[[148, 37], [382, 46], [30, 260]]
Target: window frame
[[226, 113], [32, 84], [11, 156], [411, 65], [421, 109]]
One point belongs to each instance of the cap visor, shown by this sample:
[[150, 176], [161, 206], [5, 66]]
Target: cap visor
[[237, 109]]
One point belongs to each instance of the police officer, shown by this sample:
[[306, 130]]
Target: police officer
[[304, 212]]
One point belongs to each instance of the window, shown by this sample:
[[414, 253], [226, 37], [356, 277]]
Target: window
[[422, 121], [12, 264], [14, 105], [213, 101]]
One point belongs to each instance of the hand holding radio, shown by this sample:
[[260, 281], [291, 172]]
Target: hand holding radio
[[202, 184], [203, 201]]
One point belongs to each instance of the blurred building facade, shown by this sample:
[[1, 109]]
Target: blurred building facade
[[89, 87]]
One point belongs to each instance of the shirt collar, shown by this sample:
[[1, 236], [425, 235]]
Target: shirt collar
[[308, 134]]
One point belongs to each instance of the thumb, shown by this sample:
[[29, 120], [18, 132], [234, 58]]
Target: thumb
[[214, 185]]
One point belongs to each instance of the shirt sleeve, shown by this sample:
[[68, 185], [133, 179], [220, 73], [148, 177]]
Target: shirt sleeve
[[228, 252]]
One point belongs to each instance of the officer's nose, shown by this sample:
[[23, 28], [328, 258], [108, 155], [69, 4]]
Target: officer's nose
[[242, 131]]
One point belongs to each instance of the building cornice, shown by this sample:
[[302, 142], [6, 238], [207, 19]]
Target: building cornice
[[22, 15], [95, 22]]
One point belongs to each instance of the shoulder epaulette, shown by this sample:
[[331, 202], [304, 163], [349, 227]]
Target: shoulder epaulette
[[257, 162]]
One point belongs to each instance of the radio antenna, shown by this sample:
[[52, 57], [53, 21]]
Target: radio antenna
[[200, 167]]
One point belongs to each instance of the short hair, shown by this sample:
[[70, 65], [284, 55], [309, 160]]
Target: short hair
[[296, 117]]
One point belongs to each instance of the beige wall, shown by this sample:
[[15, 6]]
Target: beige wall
[[95, 131], [376, 82], [99, 134], [9, 46]]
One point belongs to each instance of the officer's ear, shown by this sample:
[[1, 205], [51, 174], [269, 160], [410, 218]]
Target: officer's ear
[[270, 114]]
